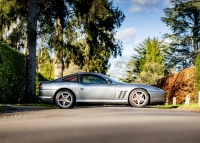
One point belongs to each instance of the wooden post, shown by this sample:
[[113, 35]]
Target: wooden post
[[174, 101], [199, 98], [187, 100]]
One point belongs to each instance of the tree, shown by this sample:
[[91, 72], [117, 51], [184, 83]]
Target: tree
[[183, 19], [153, 52], [44, 63], [118, 64], [72, 68], [95, 21], [7, 15], [136, 64], [153, 72], [16, 10], [129, 74], [13, 22], [153, 68], [58, 44], [147, 66], [30, 52], [98, 21]]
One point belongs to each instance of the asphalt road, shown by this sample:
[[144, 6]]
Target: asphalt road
[[100, 124]]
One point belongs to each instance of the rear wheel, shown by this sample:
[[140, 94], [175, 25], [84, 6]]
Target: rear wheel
[[65, 99], [139, 98]]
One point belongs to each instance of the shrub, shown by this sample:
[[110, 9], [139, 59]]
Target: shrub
[[197, 73], [39, 78], [12, 74]]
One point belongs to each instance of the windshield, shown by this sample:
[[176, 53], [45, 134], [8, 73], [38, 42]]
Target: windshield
[[111, 79]]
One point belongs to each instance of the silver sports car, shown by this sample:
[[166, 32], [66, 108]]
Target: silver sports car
[[98, 88]]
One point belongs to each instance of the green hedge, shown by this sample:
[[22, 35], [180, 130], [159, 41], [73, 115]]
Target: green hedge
[[39, 78], [12, 75], [197, 73]]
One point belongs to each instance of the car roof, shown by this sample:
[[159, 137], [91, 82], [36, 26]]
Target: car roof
[[94, 73], [87, 73]]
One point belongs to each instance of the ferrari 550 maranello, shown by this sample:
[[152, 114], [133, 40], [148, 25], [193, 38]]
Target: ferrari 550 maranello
[[98, 88]]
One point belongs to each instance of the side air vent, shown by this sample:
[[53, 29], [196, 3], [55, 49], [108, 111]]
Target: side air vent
[[122, 94]]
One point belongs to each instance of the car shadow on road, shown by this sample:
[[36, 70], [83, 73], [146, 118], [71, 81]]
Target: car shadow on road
[[17, 109]]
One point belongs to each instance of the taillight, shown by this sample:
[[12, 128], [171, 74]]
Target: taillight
[[40, 86]]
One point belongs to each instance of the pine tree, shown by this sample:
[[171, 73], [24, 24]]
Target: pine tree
[[99, 21], [153, 53], [96, 20], [31, 51], [183, 20], [150, 61], [7, 15], [154, 63]]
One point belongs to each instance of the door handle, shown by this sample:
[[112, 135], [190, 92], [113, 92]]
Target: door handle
[[81, 88]]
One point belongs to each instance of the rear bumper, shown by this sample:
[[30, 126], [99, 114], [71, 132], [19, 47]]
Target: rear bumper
[[45, 99], [46, 95]]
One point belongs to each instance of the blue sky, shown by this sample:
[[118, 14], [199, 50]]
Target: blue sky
[[143, 20]]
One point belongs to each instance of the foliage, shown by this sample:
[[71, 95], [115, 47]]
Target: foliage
[[13, 22], [129, 76], [99, 20], [152, 73], [95, 20], [183, 20], [12, 73], [81, 32], [197, 73], [39, 78], [7, 14], [147, 66], [15, 12], [72, 68], [45, 63]]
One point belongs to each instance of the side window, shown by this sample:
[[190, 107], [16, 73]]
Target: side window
[[71, 78], [93, 79]]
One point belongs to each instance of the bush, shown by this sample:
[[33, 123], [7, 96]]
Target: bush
[[12, 75], [39, 78], [197, 73]]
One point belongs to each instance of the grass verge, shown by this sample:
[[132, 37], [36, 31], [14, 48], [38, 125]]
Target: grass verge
[[45, 105], [15, 107], [191, 107], [4, 108]]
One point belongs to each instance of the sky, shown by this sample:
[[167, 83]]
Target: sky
[[143, 20]]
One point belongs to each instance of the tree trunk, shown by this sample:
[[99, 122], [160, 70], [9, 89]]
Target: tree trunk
[[196, 35], [30, 52], [59, 64]]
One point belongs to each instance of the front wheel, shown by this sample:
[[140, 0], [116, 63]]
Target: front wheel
[[139, 98], [65, 99]]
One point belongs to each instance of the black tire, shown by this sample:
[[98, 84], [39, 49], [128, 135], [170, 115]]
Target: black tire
[[139, 98], [65, 99]]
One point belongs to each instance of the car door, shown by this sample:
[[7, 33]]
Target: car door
[[95, 87]]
